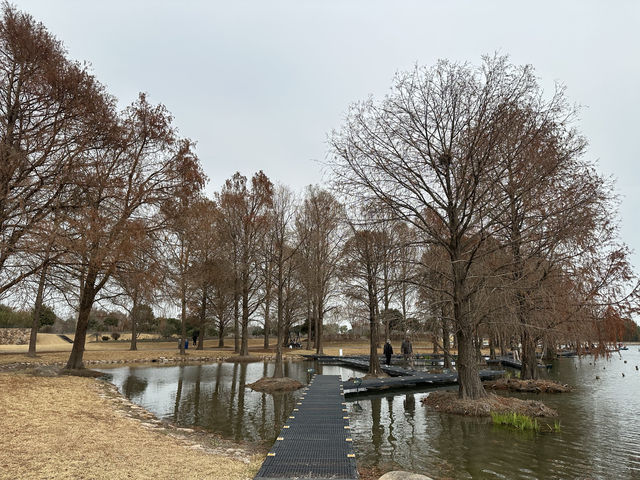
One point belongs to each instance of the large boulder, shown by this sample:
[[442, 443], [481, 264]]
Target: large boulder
[[401, 475]]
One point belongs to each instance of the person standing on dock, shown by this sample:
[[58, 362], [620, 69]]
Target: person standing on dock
[[388, 351], [407, 350]]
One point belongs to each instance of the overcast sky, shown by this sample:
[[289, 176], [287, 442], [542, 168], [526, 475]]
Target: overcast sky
[[259, 84]]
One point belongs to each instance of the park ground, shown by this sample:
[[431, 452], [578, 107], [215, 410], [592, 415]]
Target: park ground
[[69, 427]]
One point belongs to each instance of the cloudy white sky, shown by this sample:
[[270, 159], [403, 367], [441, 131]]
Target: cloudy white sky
[[259, 84]]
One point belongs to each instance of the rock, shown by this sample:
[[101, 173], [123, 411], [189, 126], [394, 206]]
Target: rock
[[14, 336], [401, 475], [47, 371]]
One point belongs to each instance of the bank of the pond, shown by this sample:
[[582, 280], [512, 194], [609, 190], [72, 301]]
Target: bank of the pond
[[67, 427]]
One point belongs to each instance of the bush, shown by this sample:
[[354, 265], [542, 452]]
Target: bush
[[169, 327], [105, 338], [257, 331], [14, 318], [115, 335]]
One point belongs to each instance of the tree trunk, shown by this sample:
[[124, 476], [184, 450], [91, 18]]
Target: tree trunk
[[492, 348], [374, 362], [183, 318], [529, 369], [319, 347], [244, 347], [267, 325], [87, 297], [550, 350], [134, 323], [236, 321], [470, 386], [446, 343], [203, 318], [36, 312], [278, 370]]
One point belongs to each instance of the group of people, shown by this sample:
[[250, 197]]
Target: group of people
[[406, 349]]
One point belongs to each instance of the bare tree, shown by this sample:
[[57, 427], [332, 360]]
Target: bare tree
[[245, 213], [283, 260], [139, 275], [430, 152], [51, 111], [318, 223], [121, 186], [362, 268]]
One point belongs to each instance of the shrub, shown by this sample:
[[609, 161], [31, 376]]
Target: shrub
[[115, 335], [105, 338]]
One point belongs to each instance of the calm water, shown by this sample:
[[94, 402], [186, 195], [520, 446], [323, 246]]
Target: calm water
[[600, 420]]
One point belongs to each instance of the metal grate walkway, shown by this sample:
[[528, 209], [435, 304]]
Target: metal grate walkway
[[315, 443]]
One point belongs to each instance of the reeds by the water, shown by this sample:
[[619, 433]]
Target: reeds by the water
[[523, 422]]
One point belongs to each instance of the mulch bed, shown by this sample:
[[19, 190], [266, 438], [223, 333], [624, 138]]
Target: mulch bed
[[449, 402], [270, 385], [529, 386]]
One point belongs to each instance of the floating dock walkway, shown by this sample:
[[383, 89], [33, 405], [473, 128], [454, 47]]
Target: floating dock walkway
[[400, 377], [509, 361], [315, 443], [416, 379]]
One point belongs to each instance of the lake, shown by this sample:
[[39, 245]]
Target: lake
[[599, 437]]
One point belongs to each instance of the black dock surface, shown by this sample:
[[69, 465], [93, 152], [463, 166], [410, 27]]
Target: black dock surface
[[315, 443], [417, 379], [509, 361]]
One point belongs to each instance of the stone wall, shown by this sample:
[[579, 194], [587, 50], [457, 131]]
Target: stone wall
[[14, 336]]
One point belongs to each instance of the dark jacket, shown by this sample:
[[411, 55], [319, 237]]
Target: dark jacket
[[388, 349], [406, 348]]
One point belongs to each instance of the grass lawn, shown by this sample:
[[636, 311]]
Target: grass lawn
[[55, 350]]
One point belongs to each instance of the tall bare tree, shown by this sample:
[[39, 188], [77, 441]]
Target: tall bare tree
[[51, 111], [430, 152], [245, 213], [362, 271], [121, 186], [319, 223]]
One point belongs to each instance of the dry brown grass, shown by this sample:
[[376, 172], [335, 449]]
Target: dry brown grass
[[119, 351], [62, 428]]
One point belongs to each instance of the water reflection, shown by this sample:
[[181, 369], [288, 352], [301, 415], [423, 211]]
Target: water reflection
[[600, 437]]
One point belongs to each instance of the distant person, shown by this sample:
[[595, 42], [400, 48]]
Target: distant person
[[194, 337], [388, 351], [407, 349]]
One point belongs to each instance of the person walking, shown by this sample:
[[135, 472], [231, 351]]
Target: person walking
[[407, 350], [388, 351]]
